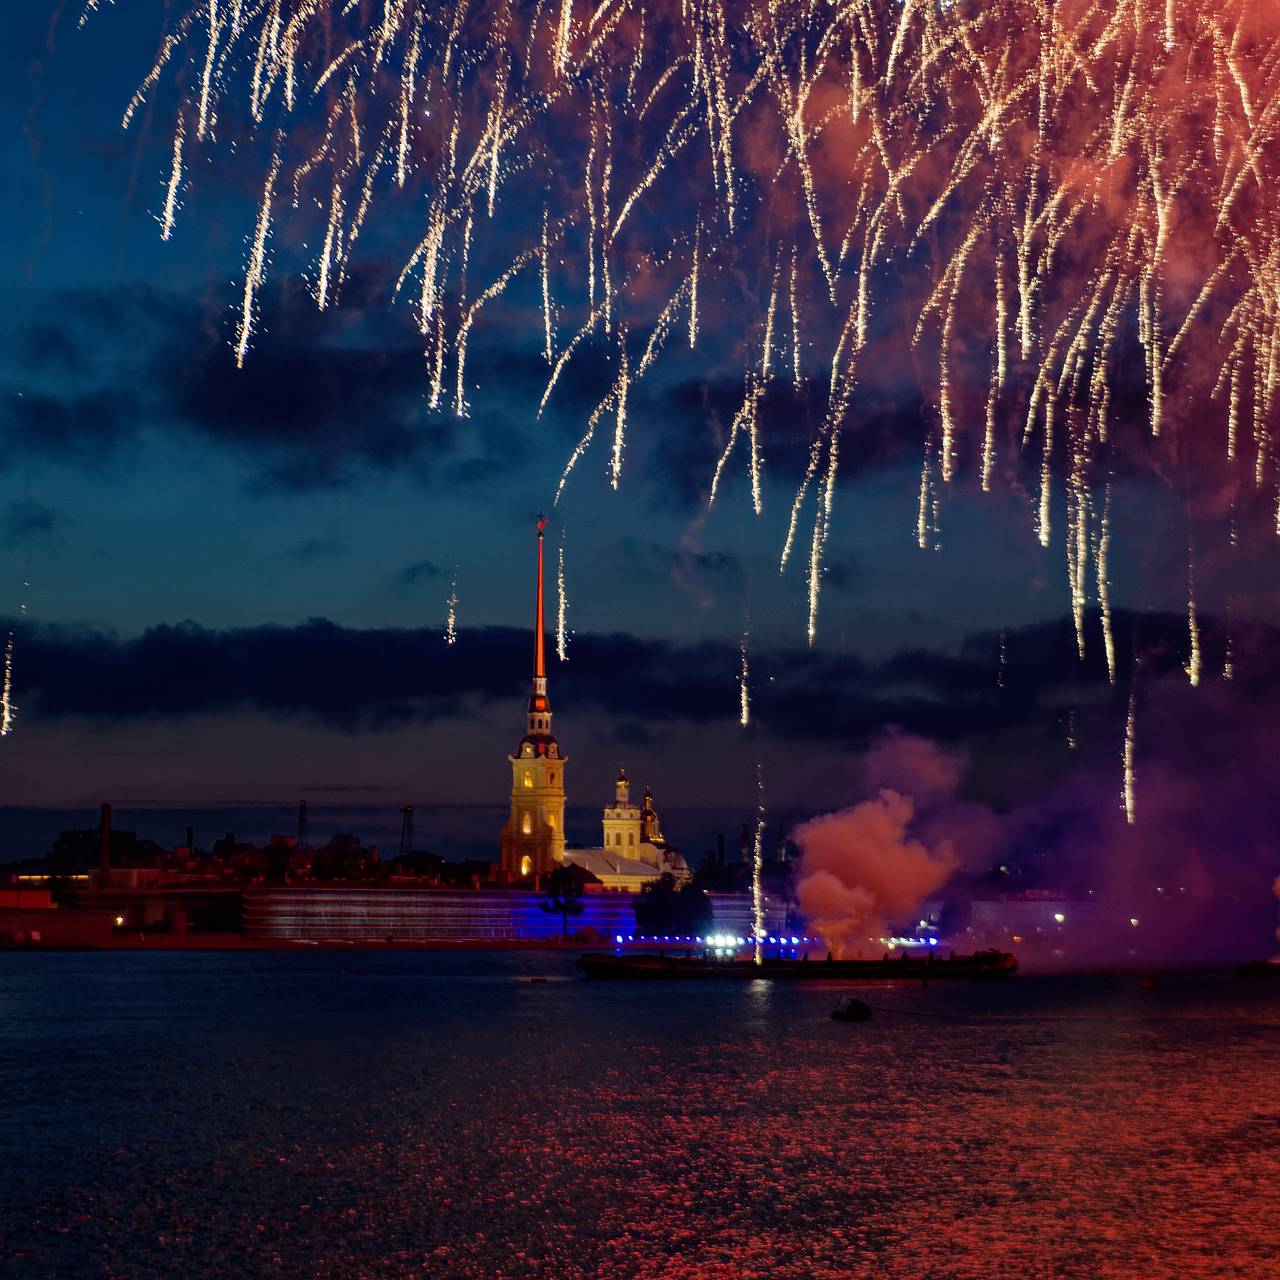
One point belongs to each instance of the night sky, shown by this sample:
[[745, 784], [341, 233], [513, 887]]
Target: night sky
[[239, 578]]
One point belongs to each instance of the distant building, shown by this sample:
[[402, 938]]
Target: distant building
[[532, 841], [634, 851]]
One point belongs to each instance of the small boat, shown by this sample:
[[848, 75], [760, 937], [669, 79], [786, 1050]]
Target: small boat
[[850, 1010]]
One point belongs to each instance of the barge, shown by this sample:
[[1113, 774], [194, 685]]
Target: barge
[[980, 966]]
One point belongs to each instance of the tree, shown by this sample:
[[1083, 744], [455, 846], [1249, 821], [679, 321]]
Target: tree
[[663, 907], [563, 889]]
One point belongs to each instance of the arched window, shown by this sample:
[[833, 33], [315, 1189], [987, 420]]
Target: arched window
[[551, 821], [526, 865], [631, 837], [528, 779], [526, 823]]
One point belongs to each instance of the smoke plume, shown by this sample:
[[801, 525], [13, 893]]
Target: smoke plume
[[865, 867]]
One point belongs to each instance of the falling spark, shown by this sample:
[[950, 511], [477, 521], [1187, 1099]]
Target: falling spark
[[1102, 569], [451, 619], [257, 264], [175, 184], [744, 687], [548, 321], [693, 288], [562, 610], [766, 357], [7, 708], [202, 116], [922, 510], [753, 432], [562, 35], [795, 323], [1193, 666], [1130, 748], [620, 418]]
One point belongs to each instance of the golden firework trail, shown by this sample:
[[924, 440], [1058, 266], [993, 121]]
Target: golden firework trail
[[562, 609], [451, 617], [548, 311], [256, 271], [1129, 791], [1039, 179], [1102, 570], [620, 417], [744, 421], [7, 709], [175, 183], [693, 287], [744, 685], [1195, 661]]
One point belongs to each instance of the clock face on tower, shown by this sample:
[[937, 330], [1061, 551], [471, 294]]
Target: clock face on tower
[[551, 750]]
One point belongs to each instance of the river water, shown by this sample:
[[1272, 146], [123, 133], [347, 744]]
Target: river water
[[443, 1115]]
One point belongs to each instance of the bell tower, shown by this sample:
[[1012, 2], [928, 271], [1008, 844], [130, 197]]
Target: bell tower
[[532, 841], [622, 833]]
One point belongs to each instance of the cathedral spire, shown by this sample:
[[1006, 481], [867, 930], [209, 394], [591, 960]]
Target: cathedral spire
[[533, 837], [539, 636]]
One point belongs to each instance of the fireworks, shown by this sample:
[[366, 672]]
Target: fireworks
[[1046, 183], [451, 618], [7, 708], [1130, 752], [175, 184], [562, 610]]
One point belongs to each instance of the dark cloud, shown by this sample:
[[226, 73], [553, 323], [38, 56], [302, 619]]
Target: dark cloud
[[325, 400], [843, 571], [315, 670], [313, 414], [419, 571], [688, 563], [886, 427], [84, 429], [315, 549], [322, 402], [359, 678], [29, 522]]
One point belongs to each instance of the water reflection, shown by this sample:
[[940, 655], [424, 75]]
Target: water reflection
[[447, 1116]]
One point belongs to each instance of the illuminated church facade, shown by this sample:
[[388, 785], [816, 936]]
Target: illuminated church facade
[[634, 851], [532, 842]]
